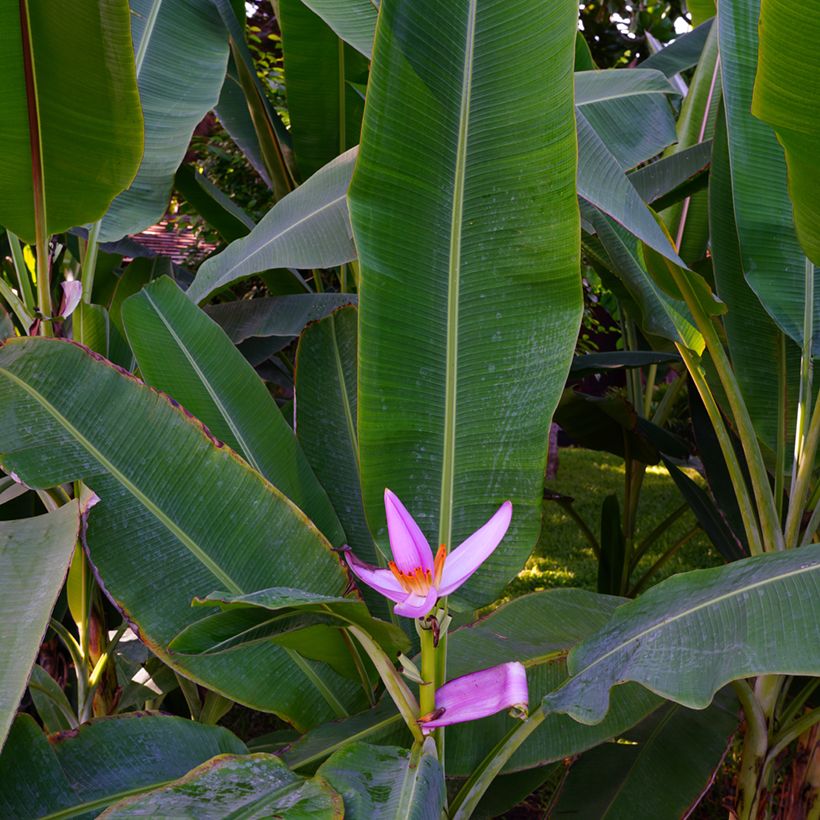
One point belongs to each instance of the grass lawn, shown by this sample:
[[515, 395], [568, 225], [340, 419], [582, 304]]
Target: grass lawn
[[563, 557]]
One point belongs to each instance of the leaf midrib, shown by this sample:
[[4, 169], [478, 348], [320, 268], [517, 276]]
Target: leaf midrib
[[183, 537], [664, 622], [453, 282], [244, 447]]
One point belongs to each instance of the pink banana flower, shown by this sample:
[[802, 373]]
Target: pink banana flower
[[479, 695], [415, 579]]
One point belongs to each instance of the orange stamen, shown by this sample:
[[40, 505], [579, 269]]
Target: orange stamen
[[438, 564], [417, 581]]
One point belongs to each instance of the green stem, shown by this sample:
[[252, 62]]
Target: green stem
[[658, 532], [645, 578], [21, 270], [738, 480], [427, 690], [780, 453], [769, 522], [649, 390], [806, 372], [802, 484], [465, 802], [567, 507], [14, 302], [44, 287], [90, 261], [755, 748], [667, 403], [396, 687], [191, 694], [798, 702], [792, 732]]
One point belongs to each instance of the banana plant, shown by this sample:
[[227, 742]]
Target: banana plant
[[251, 549]]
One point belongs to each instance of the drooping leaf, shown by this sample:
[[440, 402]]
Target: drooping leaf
[[660, 315], [34, 557], [271, 138], [681, 54], [618, 359], [268, 606], [326, 420], [787, 97], [773, 260], [167, 485], [688, 220], [325, 111], [87, 769], [381, 725], [660, 768], [673, 638], [284, 317], [603, 183], [232, 111], [352, 20], [53, 708], [65, 152], [709, 516], [171, 40], [469, 292], [613, 101], [677, 173], [216, 208], [185, 354], [309, 228], [385, 782], [758, 348]]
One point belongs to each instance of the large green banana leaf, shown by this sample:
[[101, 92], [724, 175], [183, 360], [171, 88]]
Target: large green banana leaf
[[613, 101], [34, 558], [309, 228], [180, 516], [255, 785], [181, 52], [325, 110], [187, 355], [400, 783], [688, 220], [468, 243], [71, 126], [773, 261], [81, 772], [673, 639], [661, 768], [353, 20], [787, 96], [759, 356], [326, 417]]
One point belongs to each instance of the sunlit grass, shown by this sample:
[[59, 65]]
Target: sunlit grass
[[564, 558]]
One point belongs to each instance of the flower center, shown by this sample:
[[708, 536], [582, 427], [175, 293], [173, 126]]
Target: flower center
[[419, 580]]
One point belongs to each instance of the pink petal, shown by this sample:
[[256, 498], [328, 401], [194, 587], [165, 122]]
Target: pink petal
[[407, 542], [417, 606], [480, 694], [461, 563], [382, 580], [72, 293]]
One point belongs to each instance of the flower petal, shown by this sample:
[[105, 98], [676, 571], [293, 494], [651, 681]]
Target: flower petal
[[407, 542], [382, 580], [461, 563], [480, 694], [417, 606], [72, 293]]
